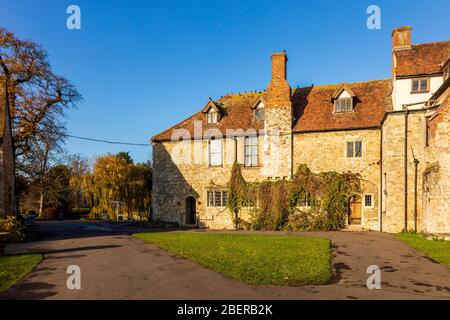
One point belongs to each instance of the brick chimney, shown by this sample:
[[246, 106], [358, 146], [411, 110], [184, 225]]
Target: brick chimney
[[401, 38], [279, 91]]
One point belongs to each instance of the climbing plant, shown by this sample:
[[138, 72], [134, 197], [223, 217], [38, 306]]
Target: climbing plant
[[308, 201]]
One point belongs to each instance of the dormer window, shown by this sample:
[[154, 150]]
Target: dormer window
[[343, 104], [258, 107], [343, 99], [212, 116], [212, 112], [260, 112]]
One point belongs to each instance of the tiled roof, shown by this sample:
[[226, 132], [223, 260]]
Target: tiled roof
[[237, 114], [420, 59], [312, 108]]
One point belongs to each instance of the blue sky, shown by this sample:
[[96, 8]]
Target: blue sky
[[143, 66]]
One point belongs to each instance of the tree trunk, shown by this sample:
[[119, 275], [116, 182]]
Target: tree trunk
[[41, 206]]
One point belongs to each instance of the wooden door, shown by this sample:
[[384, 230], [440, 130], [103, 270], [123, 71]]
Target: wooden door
[[355, 207]]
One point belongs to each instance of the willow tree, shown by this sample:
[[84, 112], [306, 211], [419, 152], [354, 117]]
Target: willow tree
[[116, 178]]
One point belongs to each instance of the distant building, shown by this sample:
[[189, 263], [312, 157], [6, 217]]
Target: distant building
[[394, 132], [7, 191]]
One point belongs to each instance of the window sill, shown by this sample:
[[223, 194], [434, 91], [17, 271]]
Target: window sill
[[418, 92]]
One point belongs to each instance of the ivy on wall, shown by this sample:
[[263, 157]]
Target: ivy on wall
[[308, 202]]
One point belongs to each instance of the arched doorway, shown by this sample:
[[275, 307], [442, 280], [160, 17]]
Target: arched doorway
[[190, 210], [354, 210]]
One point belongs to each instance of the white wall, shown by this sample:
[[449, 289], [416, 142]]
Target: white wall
[[402, 92]]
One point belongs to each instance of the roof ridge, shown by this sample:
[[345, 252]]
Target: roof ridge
[[341, 83], [428, 43]]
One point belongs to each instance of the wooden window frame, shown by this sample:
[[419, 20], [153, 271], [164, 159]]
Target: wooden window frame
[[221, 153], [371, 200], [353, 151], [419, 81], [251, 155], [338, 105], [216, 198], [260, 110], [212, 117]]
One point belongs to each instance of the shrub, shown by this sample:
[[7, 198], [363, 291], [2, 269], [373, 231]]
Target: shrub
[[13, 226]]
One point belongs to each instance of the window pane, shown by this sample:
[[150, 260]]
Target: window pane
[[251, 151], [415, 85], [336, 103], [423, 85], [224, 198], [358, 149], [260, 114], [210, 196], [215, 152], [217, 198], [368, 200], [349, 149]]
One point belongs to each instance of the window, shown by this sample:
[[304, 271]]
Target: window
[[368, 202], [217, 198], [420, 85], [427, 132], [260, 114], [215, 152], [354, 149], [447, 72], [251, 151], [343, 105], [212, 116], [304, 200]]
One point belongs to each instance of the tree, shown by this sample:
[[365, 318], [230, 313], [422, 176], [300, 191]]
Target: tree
[[38, 97], [39, 159], [79, 168], [117, 178]]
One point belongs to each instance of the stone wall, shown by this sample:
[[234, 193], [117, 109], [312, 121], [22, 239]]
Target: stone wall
[[436, 176], [173, 183], [394, 169], [326, 151]]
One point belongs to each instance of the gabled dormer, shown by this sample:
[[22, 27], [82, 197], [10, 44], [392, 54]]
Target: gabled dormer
[[343, 99], [212, 112], [259, 107]]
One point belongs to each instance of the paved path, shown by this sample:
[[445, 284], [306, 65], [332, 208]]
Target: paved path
[[115, 265]]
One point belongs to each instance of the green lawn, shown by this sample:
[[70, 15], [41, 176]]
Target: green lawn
[[254, 259], [438, 250], [15, 267]]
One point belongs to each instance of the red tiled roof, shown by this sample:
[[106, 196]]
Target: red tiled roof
[[236, 114], [420, 59], [312, 108]]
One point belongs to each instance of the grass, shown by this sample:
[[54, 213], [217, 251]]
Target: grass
[[438, 250], [15, 267], [254, 259]]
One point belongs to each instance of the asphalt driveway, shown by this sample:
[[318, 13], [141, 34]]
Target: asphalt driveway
[[115, 265]]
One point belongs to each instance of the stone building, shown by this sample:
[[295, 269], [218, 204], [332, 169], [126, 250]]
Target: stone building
[[394, 132], [7, 191]]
